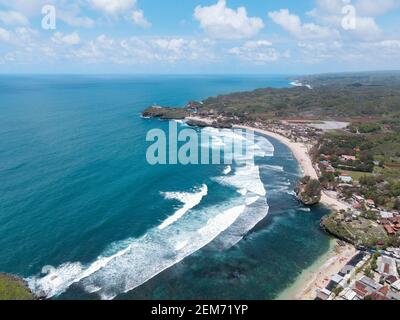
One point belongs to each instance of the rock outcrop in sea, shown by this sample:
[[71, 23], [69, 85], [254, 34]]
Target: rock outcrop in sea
[[309, 191]]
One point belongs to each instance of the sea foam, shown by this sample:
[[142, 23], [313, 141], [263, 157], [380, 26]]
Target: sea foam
[[144, 257], [132, 262], [189, 200]]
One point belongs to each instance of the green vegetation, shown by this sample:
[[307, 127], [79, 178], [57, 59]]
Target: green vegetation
[[359, 231], [345, 96], [350, 145], [365, 127], [356, 175], [374, 259], [371, 97], [165, 113], [376, 167], [368, 272], [12, 288], [337, 290], [383, 191]]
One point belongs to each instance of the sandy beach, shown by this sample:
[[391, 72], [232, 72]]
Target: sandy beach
[[318, 275]]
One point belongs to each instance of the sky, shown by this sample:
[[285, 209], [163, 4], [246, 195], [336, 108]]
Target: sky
[[199, 36]]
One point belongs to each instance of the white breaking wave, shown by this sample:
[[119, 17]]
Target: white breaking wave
[[134, 261], [251, 200], [273, 167], [227, 170], [143, 258], [299, 84], [246, 175], [256, 209], [189, 200], [245, 179]]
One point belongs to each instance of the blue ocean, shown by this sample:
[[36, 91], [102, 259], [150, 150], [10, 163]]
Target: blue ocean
[[83, 215]]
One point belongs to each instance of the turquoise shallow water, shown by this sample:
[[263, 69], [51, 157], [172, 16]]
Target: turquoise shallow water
[[76, 189]]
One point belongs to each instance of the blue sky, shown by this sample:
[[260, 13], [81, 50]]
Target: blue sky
[[199, 36]]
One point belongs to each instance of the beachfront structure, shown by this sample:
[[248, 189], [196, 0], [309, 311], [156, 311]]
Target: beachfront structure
[[387, 266], [345, 178], [386, 214], [348, 158], [323, 294], [396, 285], [358, 198], [349, 294], [370, 203]]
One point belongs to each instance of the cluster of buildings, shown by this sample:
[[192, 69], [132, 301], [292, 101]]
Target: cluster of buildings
[[295, 131], [359, 202], [391, 222], [326, 166], [351, 283]]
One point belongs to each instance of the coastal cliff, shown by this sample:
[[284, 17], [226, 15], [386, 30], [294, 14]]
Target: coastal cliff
[[167, 113], [14, 288]]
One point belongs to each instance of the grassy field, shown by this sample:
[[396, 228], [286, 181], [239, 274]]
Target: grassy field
[[359, 231], [356, 175], [389, 173], [12, 288]]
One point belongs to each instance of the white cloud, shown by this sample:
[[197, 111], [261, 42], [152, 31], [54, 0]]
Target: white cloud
[[126, 8], [72, 16], [374, 8], [257, 44], [13, 18], [113, 7], [174, 45], [365, 8], [330, 13], [4, 35], [68, 39], [135, 50], [221, 22], [70, 12], [257, 52], [395, 44], [27, 8], [293, 25], [366, 29], [139, 19]]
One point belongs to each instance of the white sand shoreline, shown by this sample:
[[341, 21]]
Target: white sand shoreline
[[318, 275]]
